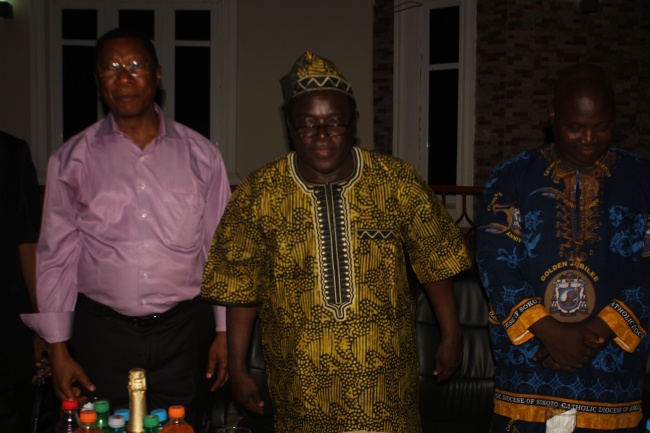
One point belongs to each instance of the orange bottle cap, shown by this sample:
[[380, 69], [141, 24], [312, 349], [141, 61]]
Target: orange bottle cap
[[88, 416], [176, 411]]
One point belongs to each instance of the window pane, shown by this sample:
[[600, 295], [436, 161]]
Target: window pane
[[140, 20], [443, 121], [79, 92], [444, 30], [192, 25], [79, 24], [192, 88]]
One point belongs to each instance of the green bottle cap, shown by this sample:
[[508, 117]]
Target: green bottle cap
[[102, 406], [150, 421]]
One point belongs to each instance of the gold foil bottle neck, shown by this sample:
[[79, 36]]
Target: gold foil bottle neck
[[137, 400]]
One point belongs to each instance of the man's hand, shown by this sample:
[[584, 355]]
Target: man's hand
[[567, 346], [246, 392], [65, 372], [218, 360], [443, 301], [448, 357]]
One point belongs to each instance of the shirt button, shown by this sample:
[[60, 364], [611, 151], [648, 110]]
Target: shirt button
[[143, 301], [145, 245], [145, 275], [144, 215], [143, 186]]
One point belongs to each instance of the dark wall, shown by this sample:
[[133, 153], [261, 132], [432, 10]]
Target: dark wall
[[382, 75], [521, 46]]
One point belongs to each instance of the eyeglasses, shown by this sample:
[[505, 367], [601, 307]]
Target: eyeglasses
[[134, 68], [332, 130]]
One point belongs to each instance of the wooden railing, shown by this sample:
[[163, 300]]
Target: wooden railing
[[463, 214]]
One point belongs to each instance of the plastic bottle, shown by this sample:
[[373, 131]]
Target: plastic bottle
[[116, 424], [69, 419], [150, 423], [162, 417], [647, 426], [88, 419], [177, 423], [102, 408]]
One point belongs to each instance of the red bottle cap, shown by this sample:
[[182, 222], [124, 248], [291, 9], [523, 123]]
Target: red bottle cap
[[69, 404]]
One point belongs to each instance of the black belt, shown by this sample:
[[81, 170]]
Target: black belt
[[102, 310]]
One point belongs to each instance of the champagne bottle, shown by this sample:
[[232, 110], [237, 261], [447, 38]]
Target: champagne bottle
[[137, 400]]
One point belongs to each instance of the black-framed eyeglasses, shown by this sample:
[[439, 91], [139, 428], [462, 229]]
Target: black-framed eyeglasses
[[332, 130], [134, 68]]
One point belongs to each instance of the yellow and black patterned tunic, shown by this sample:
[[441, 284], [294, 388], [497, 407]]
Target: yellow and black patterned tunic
[[326, 264]]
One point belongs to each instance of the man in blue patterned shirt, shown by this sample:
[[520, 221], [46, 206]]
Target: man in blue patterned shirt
[[561, 256]]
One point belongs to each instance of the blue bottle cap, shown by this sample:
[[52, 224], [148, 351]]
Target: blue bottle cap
[[161, 413], [123, 412]]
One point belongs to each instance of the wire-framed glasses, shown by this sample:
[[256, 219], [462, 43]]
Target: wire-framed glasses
[[134, 68], [331, 129]]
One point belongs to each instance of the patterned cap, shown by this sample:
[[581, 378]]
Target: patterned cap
[[310, 73]]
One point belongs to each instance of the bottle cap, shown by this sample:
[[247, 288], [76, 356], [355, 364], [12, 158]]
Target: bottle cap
[[176, 411], [102, 406], [88, 416], [150, 421], [70, 404], [161, 414], [116, 421], [124, 412]]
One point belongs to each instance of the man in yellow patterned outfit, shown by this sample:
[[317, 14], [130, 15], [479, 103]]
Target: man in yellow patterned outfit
[[317, 241]]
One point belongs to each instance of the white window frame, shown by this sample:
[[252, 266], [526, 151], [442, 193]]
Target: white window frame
[[46, 119], [411, 104]]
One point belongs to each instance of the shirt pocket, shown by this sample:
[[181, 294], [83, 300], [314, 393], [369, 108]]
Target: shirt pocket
[[181, 219]]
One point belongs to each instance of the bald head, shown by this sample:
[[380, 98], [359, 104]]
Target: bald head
[[583, 79], [582, 113]]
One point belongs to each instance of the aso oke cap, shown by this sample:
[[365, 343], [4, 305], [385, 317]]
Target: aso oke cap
[[311, 73]]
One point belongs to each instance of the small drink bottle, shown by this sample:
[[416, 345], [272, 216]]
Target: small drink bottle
[[116, 424], [177, 423], [102, 407], [69, 418], [150, 423], [88, 418], [162, 417]]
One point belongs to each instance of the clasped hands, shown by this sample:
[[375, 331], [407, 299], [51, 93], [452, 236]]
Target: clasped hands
[[569, 346]]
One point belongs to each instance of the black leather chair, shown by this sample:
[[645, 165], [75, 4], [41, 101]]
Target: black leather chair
[[464, 403]]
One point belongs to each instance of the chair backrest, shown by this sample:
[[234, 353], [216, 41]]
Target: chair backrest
[[465, 402]]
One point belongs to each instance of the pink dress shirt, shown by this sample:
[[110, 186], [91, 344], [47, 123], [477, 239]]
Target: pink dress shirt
[[128, 227]]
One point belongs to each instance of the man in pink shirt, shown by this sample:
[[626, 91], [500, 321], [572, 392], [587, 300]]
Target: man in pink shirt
[[131, 205]]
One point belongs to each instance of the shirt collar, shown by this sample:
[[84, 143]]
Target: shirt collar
[[166, 129]]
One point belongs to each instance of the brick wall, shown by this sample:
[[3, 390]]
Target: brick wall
[[521, 46], [382, 58]]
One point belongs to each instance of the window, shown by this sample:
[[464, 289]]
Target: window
[[434, 88], [195, 41]]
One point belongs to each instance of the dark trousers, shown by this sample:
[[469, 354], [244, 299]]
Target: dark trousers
[[174, 354]]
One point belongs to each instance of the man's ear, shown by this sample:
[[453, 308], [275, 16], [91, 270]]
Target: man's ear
[[158, 75]]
